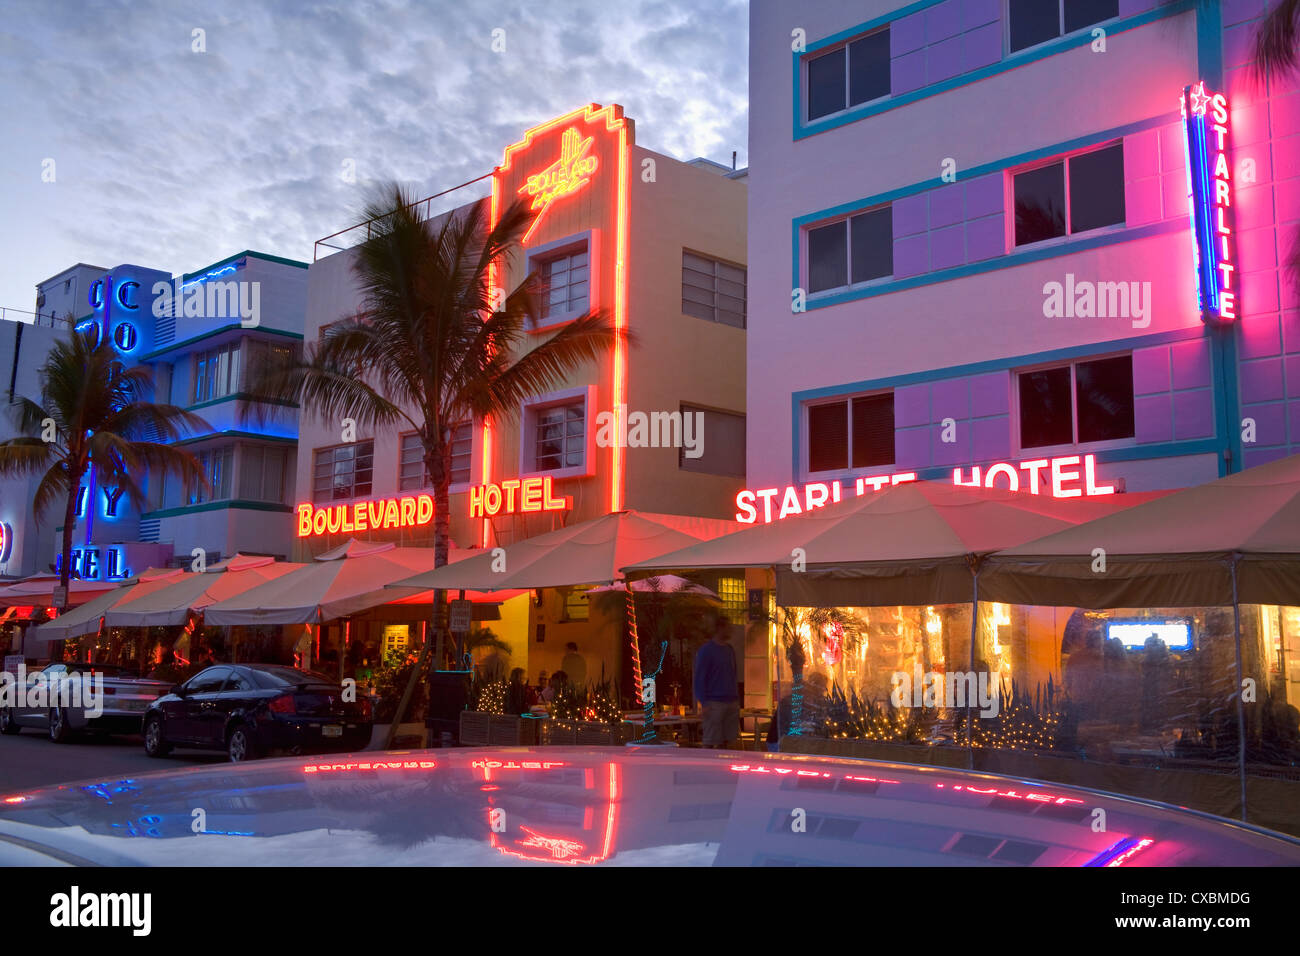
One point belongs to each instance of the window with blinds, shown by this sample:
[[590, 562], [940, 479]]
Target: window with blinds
[[713, 290], [216, 373], [344, 471], [261, 473], [851, 433], [411, 471]]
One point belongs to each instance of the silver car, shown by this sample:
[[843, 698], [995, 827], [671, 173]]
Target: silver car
[[61, 712]]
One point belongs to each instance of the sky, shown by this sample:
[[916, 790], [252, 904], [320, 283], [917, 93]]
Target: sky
[[130, 138]]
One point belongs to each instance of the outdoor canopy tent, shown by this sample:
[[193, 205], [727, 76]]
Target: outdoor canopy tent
[[86, 618], [194, 592], [340, 582], [39, 590], [590, 552], [909, 544], [1183, 549]]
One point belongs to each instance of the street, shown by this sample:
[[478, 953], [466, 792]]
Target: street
[[29, 759]]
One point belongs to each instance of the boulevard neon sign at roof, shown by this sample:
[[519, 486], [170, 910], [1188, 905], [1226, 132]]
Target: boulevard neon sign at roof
[[410, 511], [1210, 191], [1057, 477]]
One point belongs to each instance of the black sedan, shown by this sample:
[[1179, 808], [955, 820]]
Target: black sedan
[[249, 710]]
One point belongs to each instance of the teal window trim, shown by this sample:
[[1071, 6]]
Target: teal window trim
[[1030, 253], [247, 253], [240, 397], [1083, 37], [182, 346], [1006, 364], [234, 504], [236, 436]]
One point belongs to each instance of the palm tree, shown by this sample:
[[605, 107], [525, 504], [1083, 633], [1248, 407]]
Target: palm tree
[[796, 625], [434, 344], [95, 413], [1277, 57]]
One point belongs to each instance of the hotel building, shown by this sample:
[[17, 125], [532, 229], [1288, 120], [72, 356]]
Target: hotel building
[[1036, 244], [971, 244], [197, 332], [656, 243]]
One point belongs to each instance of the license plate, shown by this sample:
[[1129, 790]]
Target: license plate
[[331, 730]]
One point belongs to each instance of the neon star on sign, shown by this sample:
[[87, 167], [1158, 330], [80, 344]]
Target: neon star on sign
[[564, 177], [1207, 129]]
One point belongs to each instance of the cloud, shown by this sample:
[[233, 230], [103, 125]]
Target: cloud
[[173, 158]]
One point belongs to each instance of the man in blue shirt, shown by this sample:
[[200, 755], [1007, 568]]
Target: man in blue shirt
[[716, 687]]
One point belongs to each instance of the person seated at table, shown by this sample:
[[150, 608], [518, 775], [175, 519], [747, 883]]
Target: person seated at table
[[559, 680], [541, 685], [519, 696]]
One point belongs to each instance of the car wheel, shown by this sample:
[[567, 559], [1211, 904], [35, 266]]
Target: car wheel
[[241, 746], [155, 744], [60, 732], [9, 722]]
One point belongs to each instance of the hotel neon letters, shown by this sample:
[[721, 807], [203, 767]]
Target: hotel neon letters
[[565, 176], [1051, 476], [514, 495], [1209, 189], [410, 511]]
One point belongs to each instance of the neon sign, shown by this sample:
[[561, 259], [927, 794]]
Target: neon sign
[[534, 495], [410, 511], [540, 847], [351, 766], [1209, 189], [564, 177], [1056, 477], [86, 565], [1121, 852], [6, 540]]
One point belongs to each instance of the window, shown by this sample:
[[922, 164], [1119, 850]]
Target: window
[[564, 284], [216, 373], [576, 605], [1070, 195], [857, 433], [209, 681], [735, 599], [216, 465], [851, 250], [1037, 21], [719, 439], [560, 436], [261, 473], [1077, 404], [713, 290], [849, 75], [411, 471], [343, 471], [268, 354]]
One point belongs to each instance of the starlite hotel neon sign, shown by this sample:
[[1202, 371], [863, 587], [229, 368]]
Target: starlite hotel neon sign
[[1210, 192]]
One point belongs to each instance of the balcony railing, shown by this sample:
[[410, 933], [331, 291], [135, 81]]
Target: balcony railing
[[48, 319], [355, 235]]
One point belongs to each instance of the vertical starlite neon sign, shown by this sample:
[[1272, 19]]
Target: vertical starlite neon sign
[[1209, 189]]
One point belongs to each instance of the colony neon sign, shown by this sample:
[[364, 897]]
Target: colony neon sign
[[410, 511], [1209, 188], [516, 495], [1057, 477], [564, 177]]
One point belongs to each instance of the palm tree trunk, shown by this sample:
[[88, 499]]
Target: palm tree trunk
[[69, 519]]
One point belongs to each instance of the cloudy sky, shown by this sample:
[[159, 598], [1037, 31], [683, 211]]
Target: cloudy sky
[[171, 158]]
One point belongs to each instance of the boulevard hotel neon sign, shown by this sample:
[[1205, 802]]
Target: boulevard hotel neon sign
[[516, 495], [1057, 477], [1210, 192]]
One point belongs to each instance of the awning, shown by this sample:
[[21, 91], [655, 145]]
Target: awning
[[590, 552], [328, 588], [194, 592], [85, 619], [1174, 551], [908, 544], [39, 590]]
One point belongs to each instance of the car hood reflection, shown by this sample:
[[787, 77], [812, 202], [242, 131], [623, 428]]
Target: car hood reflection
[[577, 807]]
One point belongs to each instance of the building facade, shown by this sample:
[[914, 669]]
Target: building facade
[[973, 255], [655, 243], [198, 333]]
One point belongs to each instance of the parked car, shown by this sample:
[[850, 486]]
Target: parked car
[[54, 710], [250, 710]]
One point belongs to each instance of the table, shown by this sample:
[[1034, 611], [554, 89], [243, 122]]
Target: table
[[692, 726], [757, 715]]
